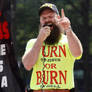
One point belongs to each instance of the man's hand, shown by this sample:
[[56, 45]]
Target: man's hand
[[63, 22], [44, 33]]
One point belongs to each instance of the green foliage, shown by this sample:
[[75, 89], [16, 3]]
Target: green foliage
[[27, 19]]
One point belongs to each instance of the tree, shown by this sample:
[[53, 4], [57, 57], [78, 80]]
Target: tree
[[84, 11], [80, 14]]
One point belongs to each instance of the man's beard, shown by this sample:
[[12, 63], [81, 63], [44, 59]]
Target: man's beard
[[54, 36]]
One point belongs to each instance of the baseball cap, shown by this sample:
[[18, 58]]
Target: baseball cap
[[48, 6]]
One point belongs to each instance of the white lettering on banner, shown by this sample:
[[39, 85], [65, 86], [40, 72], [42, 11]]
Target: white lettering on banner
[[1, 65], [2, 50], [4, 82]]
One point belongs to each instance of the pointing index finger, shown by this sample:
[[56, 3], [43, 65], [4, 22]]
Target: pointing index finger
[[62, 13]]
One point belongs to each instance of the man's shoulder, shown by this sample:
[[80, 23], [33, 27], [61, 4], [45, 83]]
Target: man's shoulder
[[64, 39], [30, 43], [32, 40]]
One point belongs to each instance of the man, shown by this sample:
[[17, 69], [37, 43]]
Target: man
[[52, 54]]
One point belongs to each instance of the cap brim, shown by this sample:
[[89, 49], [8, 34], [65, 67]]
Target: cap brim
[[44, 8]]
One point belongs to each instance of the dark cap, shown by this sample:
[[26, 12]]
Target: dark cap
[[48, 6]]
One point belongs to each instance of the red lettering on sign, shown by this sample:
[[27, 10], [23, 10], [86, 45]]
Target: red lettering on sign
[[1, 33], [63, 50], [45, 78], [47, 66], [4, 32], [61, 74], [38, 77], [52, 51], [51, 76], [52, 66], [43, 50]]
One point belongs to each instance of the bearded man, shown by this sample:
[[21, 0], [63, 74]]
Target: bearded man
[[52, 54]]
